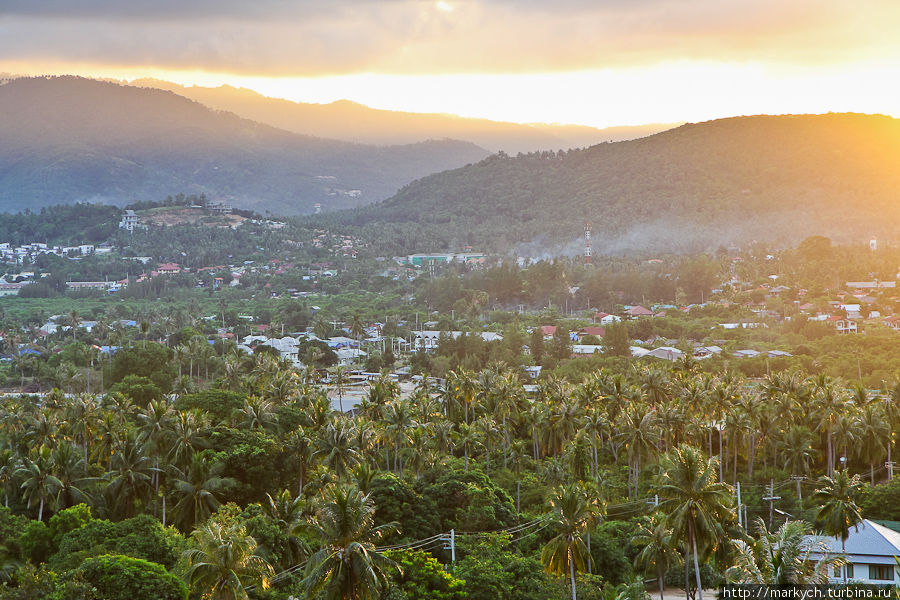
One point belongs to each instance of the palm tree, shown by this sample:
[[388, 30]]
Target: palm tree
[[518, 454], [594, 426], [336, 448], [287, 513], [196, 489], [356, 327], [81, 417], [465, 436], [73, 320], [657, 551], [130, 476], [781, 558], [567, 552], [828, 403], [486, 430], [68, 468], [397, 422], [339, 374], [696, 505], [256, 414], [798, 452], [185, 436], [872, 434], [301, 445], [461, 390], [348, 566], [145, 328], [223, 560], [838, 511], [641, 437], [9, 463], [39, 484]]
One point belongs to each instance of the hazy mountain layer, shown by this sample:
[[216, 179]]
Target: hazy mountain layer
[[698, 186], [68, 139], [345, 120]]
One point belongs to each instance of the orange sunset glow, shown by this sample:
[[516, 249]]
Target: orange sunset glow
[[593, 63]]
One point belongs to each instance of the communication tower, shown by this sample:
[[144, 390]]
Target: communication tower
[[587, 245]]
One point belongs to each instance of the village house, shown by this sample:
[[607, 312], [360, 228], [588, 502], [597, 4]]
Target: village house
[[869, 551], [594, 331], [129, 221], [842, 324], [634, 312], [606, 318]]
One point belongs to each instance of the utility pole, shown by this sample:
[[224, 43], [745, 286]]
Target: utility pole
[[450, 544], [890, 465], [771, 498], [453, 546], [738, 490], [798, 479]]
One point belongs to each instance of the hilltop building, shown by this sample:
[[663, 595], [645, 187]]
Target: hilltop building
[[129, 221]]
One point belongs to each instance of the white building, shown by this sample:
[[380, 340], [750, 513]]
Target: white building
[[129, 221], [429, 339], [870, 550]]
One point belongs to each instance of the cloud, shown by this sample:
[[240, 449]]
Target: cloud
[[311, 37]]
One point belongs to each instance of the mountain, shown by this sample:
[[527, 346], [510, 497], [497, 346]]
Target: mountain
[[69, 139], [349, 121], [699, 186]]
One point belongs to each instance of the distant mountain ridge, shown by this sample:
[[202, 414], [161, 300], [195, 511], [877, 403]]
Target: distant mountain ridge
[[349, 121], [699, 186], [70, 139]]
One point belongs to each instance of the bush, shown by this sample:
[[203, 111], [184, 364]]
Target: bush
[[881, 501], [149, 360], [218, 404], [141, 390], [117, 577], [422, 577], [140, 537]]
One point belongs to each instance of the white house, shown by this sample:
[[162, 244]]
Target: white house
[[587, 349], [870, 550], [287, 347], [129, 221], [348, 356], [666, 353], [429, 339]]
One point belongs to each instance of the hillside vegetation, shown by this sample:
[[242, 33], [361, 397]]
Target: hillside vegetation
[[68, 139], [699, 186]]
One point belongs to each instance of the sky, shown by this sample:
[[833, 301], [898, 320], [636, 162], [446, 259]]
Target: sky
[[593, 62]]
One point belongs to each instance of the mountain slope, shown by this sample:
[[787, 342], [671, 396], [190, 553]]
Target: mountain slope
[[68, 139], [699, 186], [354, 122]]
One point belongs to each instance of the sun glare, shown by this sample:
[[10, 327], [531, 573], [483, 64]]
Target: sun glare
[[443, 6], [690, 91]]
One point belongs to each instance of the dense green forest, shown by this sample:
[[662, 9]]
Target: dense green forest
[[61, 225], [256, 484], [696, 187], [70, 139]]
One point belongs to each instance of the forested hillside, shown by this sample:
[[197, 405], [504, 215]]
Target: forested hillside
[[699, 186], [68, 139]]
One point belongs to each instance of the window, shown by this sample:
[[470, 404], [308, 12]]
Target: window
[[836, 572], [881, 572]]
